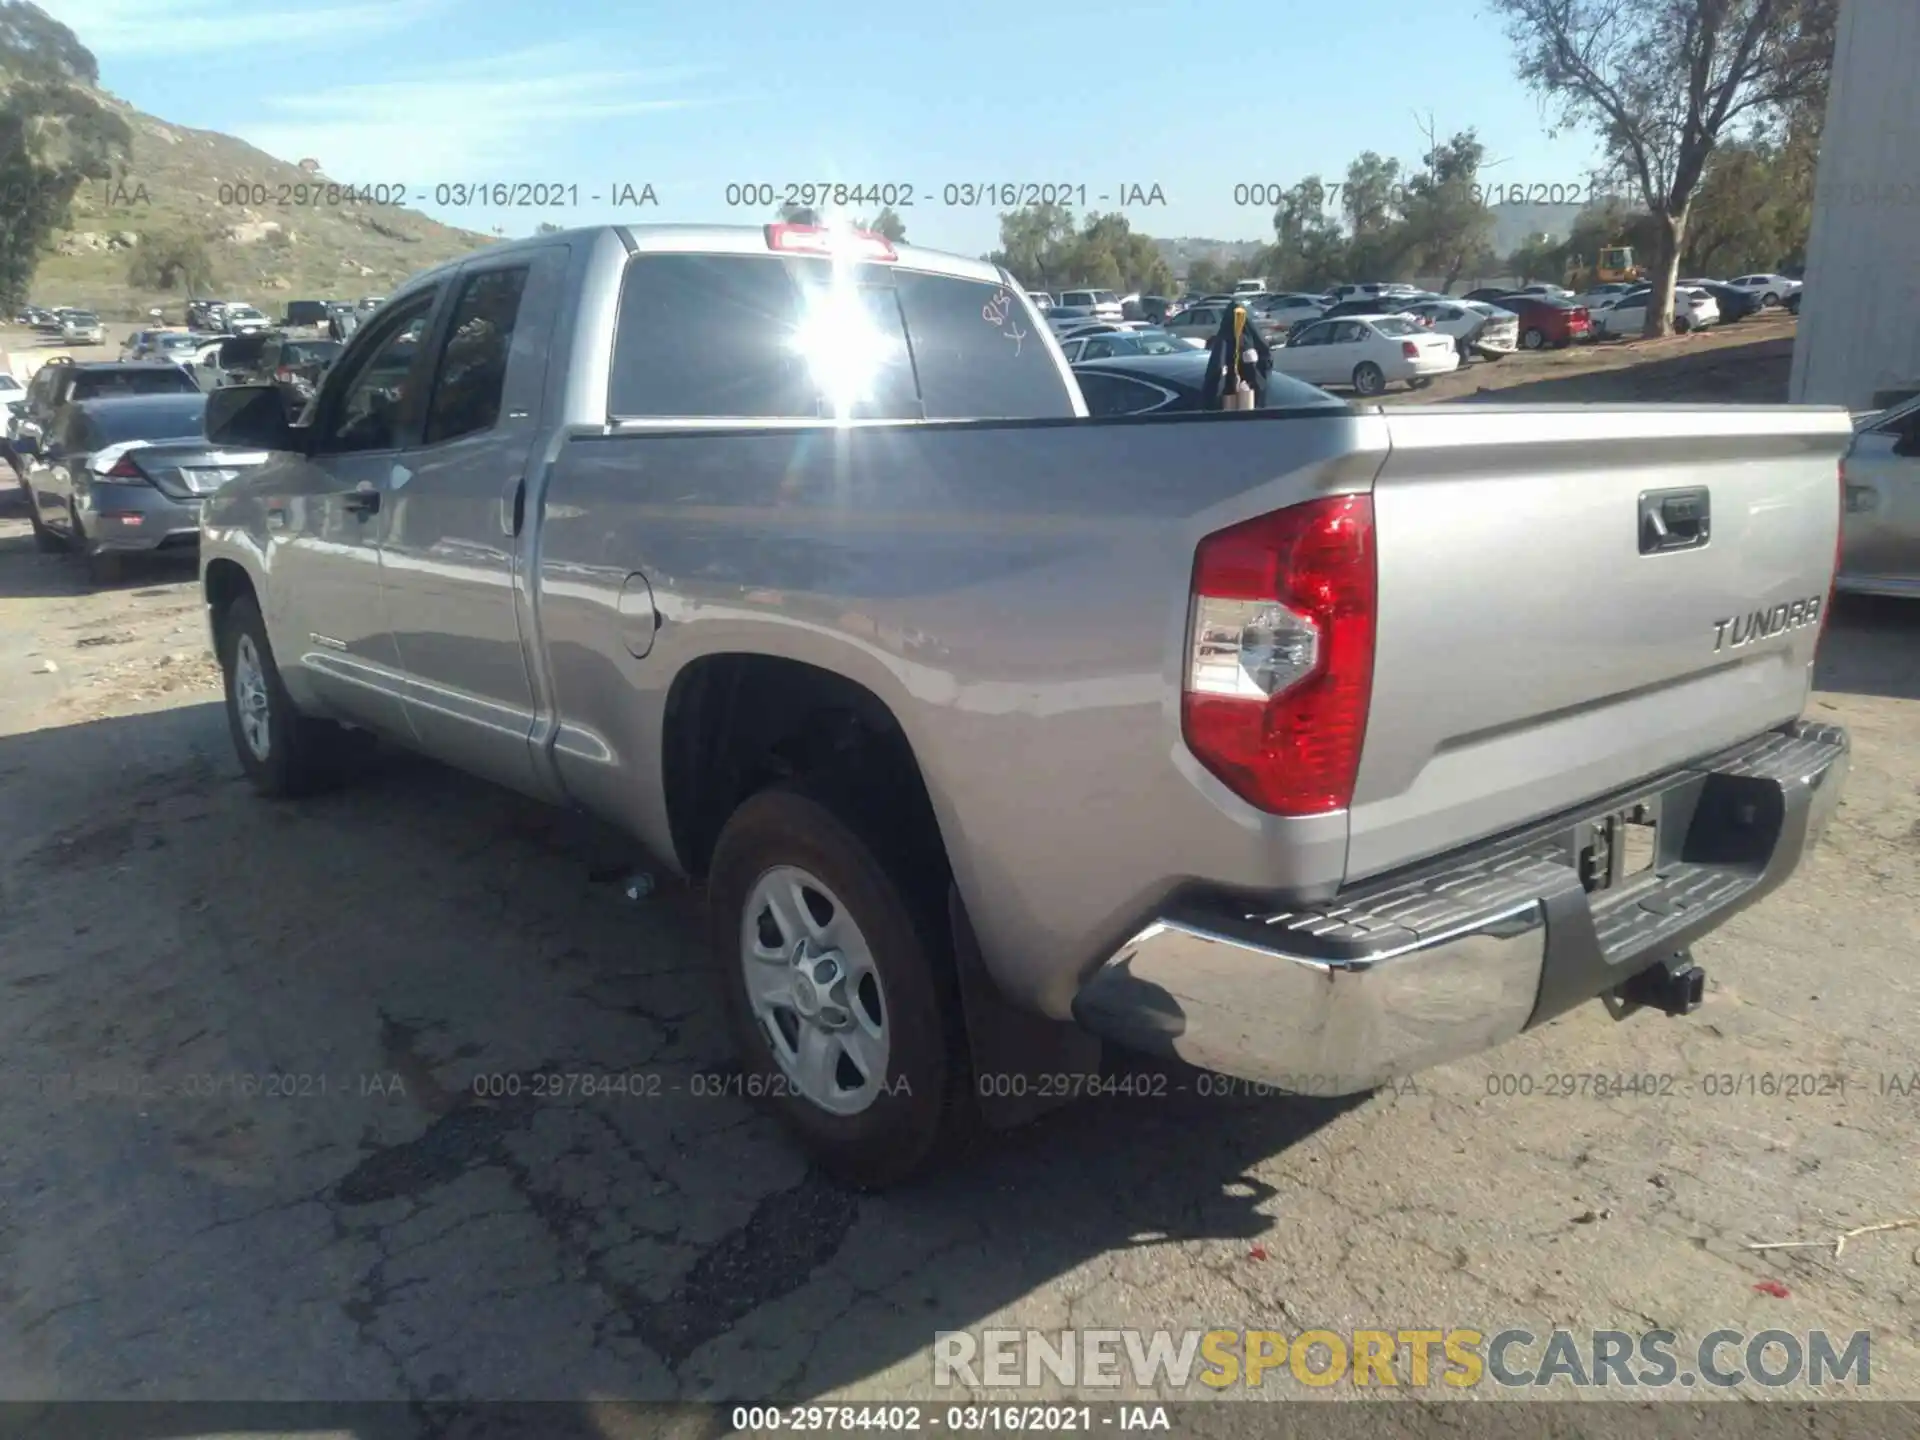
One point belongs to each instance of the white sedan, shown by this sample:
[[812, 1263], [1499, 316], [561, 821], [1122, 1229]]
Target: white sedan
[[1771, 289], [1473, 326], [1692, 310], [1366, 352]]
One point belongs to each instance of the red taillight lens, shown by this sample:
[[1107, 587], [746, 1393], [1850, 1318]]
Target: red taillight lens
[[1280, 664], [125, 469], [285, 372], [1410, 350]]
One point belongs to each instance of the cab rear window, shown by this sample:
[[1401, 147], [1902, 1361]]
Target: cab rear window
[[781, 337]]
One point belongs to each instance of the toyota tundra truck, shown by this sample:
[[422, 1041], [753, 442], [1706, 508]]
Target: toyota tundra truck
[[1313, 744]]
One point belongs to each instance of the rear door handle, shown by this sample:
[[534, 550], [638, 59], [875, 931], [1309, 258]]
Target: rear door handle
[[363, 501]]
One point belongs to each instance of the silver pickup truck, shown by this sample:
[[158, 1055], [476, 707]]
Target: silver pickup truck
[[1314, 744]]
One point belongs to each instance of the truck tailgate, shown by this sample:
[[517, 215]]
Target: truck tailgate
[[1542, 642]]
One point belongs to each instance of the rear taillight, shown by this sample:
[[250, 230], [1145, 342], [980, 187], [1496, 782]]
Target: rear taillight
[[1410, 350], [125, 469], [1280, 659], [285, 372]]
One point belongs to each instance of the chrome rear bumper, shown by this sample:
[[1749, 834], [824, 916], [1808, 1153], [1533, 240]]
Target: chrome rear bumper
[[1465, 953]]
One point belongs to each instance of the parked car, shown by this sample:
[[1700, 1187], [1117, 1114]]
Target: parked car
[[123, 475], [1367, 353], [1606, 293], [1692, 310], [303, 313], [1487, 296], [13, 404], [1792, 302], [1475, 329], [1248, 287], [293, 364], [1268, 814], [1122, 342], [1103, 303], [1880, 532], [1277, 314], [1174, 382], [243, 320], [1386, 304], [1200, 323], [1541, 290], [1548, 322], [1772, 289], [1733, 302], [63, 379], [1042, 301], [1063, 318], [206, 315], [82, 327]]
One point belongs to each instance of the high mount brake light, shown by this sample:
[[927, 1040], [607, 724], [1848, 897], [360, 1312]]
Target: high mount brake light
[[824, 240], [1280, 654]]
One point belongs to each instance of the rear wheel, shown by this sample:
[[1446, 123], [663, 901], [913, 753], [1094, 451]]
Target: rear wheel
[[283, 752], [1770, 299], [839, 981], [43, 538], [1369, 378], [1534, 338]]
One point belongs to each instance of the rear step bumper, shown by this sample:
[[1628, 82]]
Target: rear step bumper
[[1458, 955]]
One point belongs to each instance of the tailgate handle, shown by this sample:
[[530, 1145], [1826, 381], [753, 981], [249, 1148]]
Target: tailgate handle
[[1674, 520]]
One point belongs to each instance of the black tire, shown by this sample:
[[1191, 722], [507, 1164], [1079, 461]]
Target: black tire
[[924, 1111], [1681, 325], [44, 540], [1534, 338], [1369, 378], [303, 755], [1769, 300]]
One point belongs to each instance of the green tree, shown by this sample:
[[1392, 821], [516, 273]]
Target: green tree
[[171, 262], [1664, 82], [1447, 227], [1308, 251], [889, 224], [799, 215], [1033, 244], [1372, 196], [54, 137], [1207, 275]]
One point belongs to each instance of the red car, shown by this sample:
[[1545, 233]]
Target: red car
[[1545, 322]]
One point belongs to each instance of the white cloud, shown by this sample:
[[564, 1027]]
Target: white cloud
[[114, 29], [501, 117]]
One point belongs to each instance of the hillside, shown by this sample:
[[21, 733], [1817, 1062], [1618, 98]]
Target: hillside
[[266, 253]]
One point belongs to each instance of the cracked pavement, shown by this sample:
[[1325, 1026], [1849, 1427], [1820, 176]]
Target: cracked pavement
[[417, 1197]]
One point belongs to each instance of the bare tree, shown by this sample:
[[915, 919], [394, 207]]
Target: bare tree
[[1665, 81]]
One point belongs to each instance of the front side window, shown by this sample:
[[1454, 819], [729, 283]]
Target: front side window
[[368, 413], [471, 378]]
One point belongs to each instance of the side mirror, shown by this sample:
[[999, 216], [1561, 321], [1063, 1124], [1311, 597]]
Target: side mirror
[[251, 417]]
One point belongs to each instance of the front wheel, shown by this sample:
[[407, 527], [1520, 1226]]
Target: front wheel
[[1369, 378], [1534, 339], [839, 985], [283, 752]]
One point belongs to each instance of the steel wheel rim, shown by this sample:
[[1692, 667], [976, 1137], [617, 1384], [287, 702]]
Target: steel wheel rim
[[251, 704], [814, 990]]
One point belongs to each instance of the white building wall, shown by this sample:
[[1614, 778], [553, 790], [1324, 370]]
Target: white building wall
[[1860, 323]]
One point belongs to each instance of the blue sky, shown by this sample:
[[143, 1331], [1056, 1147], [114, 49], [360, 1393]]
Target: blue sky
[[690, 98]]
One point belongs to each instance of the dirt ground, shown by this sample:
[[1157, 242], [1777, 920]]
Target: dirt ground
[[255, 1144]]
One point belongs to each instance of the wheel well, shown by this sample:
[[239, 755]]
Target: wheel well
[[225, 582], [736, 724]]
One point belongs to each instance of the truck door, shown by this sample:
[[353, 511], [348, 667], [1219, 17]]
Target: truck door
[[450, 542], [324, 522]]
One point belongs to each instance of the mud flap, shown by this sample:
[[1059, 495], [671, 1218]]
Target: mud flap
[[1012, 1048]]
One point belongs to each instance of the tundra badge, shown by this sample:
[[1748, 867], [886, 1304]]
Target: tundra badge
[[1738, 630]]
